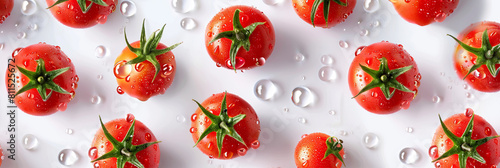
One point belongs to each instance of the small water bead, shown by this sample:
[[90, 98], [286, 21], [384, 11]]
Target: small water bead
[[30, 142], [466, 87], [28, 7], [180, 118], [99, 77], [128, 8], [130, 118], [343, 133], [436, 99], [440, 17], [92, 153], [265, 89], [119, 90], [69, 131], [2, 45], [96, 99], [122, 69], [343, 44], [302, 96], [303, 78], [375, 23], [21, 35], [101, 51], [370, 140], [469, 95], [68, 157], [332, 112], [409, 156], [469, 112], [302, 120], [409, 129], [371, 6], [272, 2], [188, 23], [364, 32], [327, 74], [33, 27], [327, 59], [242, 152], [299, 57], [255, 144], [433, 152], [184, 6]]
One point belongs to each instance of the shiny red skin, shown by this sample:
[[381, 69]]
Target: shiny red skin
[[30, 101], [424, 12], [262, 40], [337, 13], [464, 60], [374, 100], [5, 9], [139, 83], [248, 128], [118, 128], [1, 155], [457, 123], [70, 14], [310, 151]]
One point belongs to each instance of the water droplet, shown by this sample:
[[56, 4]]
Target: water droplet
[[469, 112], [28, 7], [99, 77], [128, 8], [147, 137], [343, 44], [33, 27], [371, 6], [299, 57], [436, 99], [375, 23], [184, 6], [302, 96], [265, 89], [343, 133], [21, 35], [327, 59], [193, 117], [180, 118], [487, 131], [69, 131], [440, 17], [255, 144], [409, 129], [101, 51], [332, 112], [192, 130], [130, 118], [188, 23], [370, 140], [327, 74], [364, 32], [302, 120], [466, 87], [272, 2], [92, 153], [30, 142], [68, 157], [122, 69], [242, 152], [409, 156], [359, 50], [468, 95], [240, 62], [286, 110], [119, 90], [433, 152]]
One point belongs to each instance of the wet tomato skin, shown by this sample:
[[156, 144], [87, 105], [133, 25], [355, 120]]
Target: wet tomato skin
[[311, 149], [5, 9], [70, 14], [337, 13], [424, 12]]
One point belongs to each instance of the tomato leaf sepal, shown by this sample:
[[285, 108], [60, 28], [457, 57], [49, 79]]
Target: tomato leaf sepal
[[82, 4], [326, 9], [334, 146]]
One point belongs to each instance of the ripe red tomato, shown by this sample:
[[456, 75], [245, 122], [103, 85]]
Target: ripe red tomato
[[424, 12], [44, 79], [71, 13], [337, 13], [465, 141], [383, 88], [140, 148], [1, 156], [220, 115], [472, 63], [5, 9], [319, 150], [236, 27], [145, 73]]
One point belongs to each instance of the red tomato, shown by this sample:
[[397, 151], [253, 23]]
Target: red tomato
[[424, 12], [1, 156], [253, 38], [33, 58], [5, 9], [482, 78], [70, 13], [147, 74], [385, 92], [338, 12], [247, 128], [312, 149], [489, 150], [142, 142]]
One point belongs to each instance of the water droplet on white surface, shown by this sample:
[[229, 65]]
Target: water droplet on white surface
[[180, 118], [364, 32], [327, 59], [2, 45], [33, 27], [468, 95], [466, 87], [409, 156], [265, 89], [99, 77], [371, 6], [286, 110], [67, 157], [436, 99], [21, 35], [184, 6], [409, 129], [303, 77], [128, 8], [332, 112], [96, 99], [299, 57], [343, 133], [101, 51], [30, 142], [69, 131], [327, 74], [302, 96], [272, 2], [343, 44], [28, 7], [302, 120], [370, 140], [188, 23], [375, 23]]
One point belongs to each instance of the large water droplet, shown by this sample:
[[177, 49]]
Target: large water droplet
[[343, 44], [28, 7], [96, 99], [30, 142], [188, 23], [302, 96], [184, 6], [436, 99], [409, 156], [265, 89], [128, 8], [299, 57], [272, 2], [370, 140], [327, 59], [371, 6], [327, 74], [122, 69], [68, 157], [101, 51]]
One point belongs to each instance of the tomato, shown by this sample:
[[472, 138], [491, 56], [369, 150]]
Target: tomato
[[424, 12], [140, 149], [71, 13], [319, 150], [472, 63], [338, 11], [44, 79], [461, 142], [235, 27], [1, 156], [220, 115], [145, 73], [5, 9], [383, 78]]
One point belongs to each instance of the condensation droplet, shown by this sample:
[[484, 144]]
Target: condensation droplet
[[364, 32], [327, 59], [332, 112], [265, 89], [302, 120], [327, 74], [371, 6], [299, 57], [96, 99], [343, 44], [180, 118], [302, 96], [69, 131], [68, 157], [28, 7], [375, 23], [409, 156], [122, 69], [184, 6], [409, 129], [30, 142], [101, 51], [370, 140], [99, 77], [272, 2], [436, 99], [21, 35], [128, 8], [2, 45], [188, 23], [286, 110]]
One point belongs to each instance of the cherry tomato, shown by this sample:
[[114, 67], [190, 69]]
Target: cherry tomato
[[319, 150], [338, 11], [5, 9], [424, 12], [71, 13]]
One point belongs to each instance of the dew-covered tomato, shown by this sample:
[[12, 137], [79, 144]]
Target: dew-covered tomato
[[319, 150], [43, 79], [424, 12], [87, 14], [465, 140], [477, 57], [5, 9], [383, 78], [220, 115], [145, 68], [239, 37], [124, 143], [313, 11]]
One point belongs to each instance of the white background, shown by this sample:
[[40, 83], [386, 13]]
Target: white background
[[197, 78]]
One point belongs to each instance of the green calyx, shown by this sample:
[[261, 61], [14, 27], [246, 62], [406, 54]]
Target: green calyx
[[334, 146], [239, 36], [385, 79], [326, 9], [82, 4], [147, 51], [124, 151], [486, 55], [222, 124], [464, 146], [42, 80]]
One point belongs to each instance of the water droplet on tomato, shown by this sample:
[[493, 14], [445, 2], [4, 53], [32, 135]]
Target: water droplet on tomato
[[16, 51], [303, 136], [359, 50], [242, 152], [30, 142], [437, 165], [209, 146], [119, 90], [487, 131], [127, 78], [469, 112], [440, 17], [255, 144], [130, 118], [405, 105], [239, 63], [407, 1], [193, 117], [93, 153], [192, 130], [433, 152], [261, 61], [305, 164], [147, 137], [374, 94], [228, 155], [122, 69], [167, 70], [62, 106], [102, 19], [139, 67]]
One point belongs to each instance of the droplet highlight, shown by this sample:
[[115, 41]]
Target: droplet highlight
[[30, 142], [302, 96], [371, 6], [184, 6], [265, 89], [409, 156], [188, 24], [29, 7], [370, 140], [327, 74], [68, 157], [128, 8], [96, 99]]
